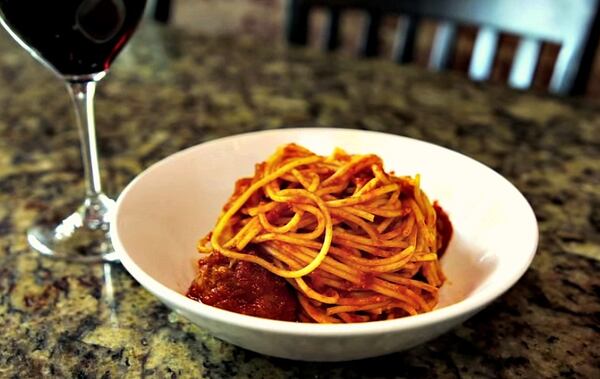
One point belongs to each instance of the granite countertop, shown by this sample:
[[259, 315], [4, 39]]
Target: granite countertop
[[171, 89]]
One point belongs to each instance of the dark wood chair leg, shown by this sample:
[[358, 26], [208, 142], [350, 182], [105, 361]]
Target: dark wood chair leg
[[404, 43], [297, 22], [370, 38], [162, 11], [443, 46], [332, 30], [586, 64]]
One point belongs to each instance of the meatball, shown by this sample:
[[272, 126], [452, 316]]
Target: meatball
[[243, 287]]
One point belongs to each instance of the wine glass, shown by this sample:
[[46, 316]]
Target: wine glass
[[78, 40]]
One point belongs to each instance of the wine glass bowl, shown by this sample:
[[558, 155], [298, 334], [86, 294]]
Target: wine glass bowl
[[78, 41]]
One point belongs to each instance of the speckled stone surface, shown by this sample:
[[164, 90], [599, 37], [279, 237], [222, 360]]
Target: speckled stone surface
[[171, 90]]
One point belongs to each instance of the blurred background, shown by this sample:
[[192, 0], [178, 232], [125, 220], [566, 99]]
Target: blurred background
[[264, 19]]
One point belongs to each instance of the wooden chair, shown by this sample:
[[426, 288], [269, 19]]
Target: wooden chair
[[572, 24]]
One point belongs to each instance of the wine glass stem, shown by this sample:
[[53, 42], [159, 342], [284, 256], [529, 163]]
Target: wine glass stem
[[82, 94]]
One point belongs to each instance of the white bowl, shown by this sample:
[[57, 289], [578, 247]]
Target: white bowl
[[162, 213]]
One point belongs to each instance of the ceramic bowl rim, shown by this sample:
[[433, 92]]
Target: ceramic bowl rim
[[181, 303]]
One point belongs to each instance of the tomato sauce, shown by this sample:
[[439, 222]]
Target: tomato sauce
[[243, 287], [444, 228]]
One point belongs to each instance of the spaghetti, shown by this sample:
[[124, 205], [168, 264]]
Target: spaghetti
[[355, 243]]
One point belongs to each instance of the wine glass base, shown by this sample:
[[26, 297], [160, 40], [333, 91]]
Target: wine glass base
[[82, 237]]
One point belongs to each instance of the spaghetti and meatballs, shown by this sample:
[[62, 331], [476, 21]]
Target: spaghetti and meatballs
[[324, 239]]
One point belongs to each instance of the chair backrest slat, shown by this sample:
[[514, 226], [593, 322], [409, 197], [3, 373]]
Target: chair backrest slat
[[524, 63], [484, 53], [369, 46], [443, 46], [404, 41], [332, 29]]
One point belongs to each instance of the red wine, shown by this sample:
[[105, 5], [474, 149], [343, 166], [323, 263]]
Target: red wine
[[76, 37]]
